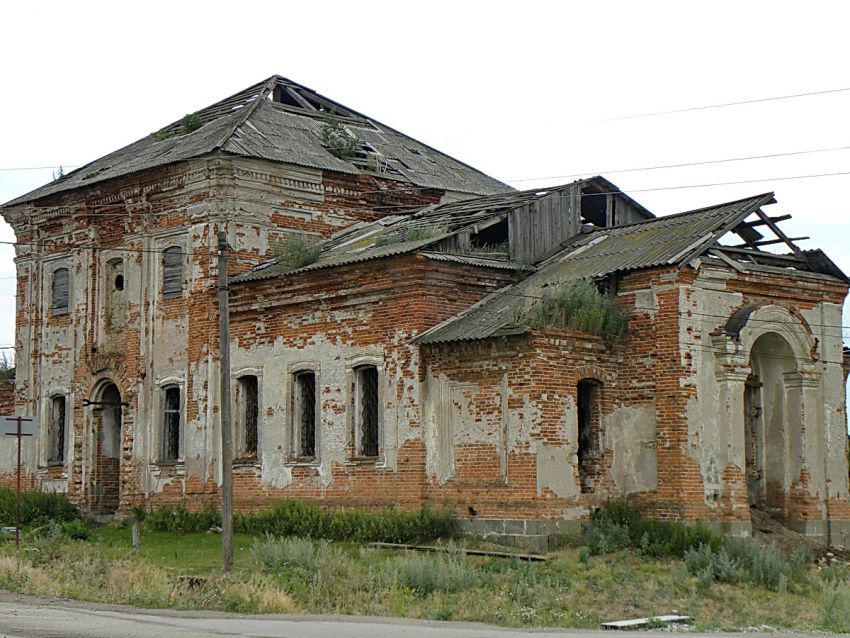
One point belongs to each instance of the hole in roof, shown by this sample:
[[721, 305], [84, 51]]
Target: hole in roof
[[494, 238]]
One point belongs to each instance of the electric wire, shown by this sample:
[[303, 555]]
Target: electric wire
[[724, 104]]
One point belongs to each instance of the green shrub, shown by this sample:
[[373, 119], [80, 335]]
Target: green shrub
[[336, 139], [835, 609], [619, 526], [425, 574], [191, 122], [74, 529], [37, 508], [578, 305], [298, 250], [180, 520], [745, 559], [273, 554], [307, 520]]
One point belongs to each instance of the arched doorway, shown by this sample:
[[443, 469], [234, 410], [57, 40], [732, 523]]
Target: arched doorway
[[771, 429], [106, 452]]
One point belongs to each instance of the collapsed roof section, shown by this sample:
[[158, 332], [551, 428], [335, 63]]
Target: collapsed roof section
[[283, 121], [506, 230], [674, 240]]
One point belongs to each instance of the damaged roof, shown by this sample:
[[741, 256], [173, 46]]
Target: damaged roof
[[670, 240], [280, 120], [427, 227]]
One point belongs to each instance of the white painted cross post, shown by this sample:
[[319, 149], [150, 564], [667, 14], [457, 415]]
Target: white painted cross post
[[19, 427]]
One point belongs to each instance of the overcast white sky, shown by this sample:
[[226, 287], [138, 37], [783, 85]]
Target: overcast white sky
[[520, 90]]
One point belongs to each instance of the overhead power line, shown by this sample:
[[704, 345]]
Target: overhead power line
[[723, 105], [38, 168], [686, 164]]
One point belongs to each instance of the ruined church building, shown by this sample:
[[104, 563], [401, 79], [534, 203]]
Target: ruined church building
[[394, 363]]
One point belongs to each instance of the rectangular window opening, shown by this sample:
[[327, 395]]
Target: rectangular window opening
[[366, 411], [304, 411], [249, 415], [589, 432], [60, 292], [171, 424], [56, 453]]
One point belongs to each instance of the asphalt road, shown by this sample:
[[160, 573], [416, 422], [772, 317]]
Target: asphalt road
[[35, 617]]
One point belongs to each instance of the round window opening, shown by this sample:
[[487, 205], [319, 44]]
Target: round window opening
[[119, 282]]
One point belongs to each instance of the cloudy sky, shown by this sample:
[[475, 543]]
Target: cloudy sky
[[533, 93]]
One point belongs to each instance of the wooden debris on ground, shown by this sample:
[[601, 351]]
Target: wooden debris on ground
[[468, 552]]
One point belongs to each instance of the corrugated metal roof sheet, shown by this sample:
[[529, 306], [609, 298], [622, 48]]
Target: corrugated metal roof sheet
[[250, 124], [656, 242], [472, 260]]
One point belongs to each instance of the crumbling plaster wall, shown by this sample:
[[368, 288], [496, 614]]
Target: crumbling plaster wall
[[804, 311], [156, 341], [502, 427]]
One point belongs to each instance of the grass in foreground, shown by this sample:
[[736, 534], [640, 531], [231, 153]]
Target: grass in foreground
[[270, 574]]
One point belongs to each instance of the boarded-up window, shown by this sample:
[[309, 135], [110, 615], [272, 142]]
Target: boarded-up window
[[56, 432], [249, 414], [172, 272], [171, 424], [366, 410], [60, 291], [304, 413]]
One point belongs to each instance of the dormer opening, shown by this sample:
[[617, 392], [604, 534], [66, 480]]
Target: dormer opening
[[492, 239], [594, 207]]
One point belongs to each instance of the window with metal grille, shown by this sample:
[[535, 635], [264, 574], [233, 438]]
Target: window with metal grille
[[60, 291], [172, 272], [249, 410], [56, 432], [171, 424], [304, 413], [366, 410]]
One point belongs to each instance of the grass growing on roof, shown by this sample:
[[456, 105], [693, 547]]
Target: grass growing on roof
[[298, 250], [578, 305], [407, 234]]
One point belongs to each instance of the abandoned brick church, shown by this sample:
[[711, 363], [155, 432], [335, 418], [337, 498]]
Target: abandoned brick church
[[421, 353]]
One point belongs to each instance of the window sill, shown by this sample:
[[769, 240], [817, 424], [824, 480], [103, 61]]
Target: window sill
[[165, 467], [377, 461], [246, 462], [303, 461]]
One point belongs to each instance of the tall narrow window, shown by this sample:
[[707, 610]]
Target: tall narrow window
[[366, 410], [589, 431], [60, 291], [249, 413], [56, 431], [171, 424], [304, 413], [172, 272]]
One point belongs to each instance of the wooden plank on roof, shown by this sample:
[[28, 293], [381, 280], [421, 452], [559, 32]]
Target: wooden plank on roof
[[769, 222]]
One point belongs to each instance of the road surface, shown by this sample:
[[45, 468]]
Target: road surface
[[37, 617]]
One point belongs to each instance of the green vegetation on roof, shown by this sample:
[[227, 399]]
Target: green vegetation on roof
[[578, 305], [298, 250]]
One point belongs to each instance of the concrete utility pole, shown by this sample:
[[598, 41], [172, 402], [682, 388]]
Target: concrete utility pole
[[224, 410]]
